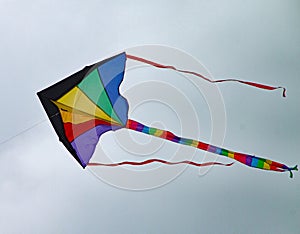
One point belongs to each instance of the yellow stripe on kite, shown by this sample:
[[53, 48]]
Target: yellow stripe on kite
[[194, 143], [231, 154], [76, 99], [80, 116], [158, 132], [74, 118], [268, 161], [266, 166]]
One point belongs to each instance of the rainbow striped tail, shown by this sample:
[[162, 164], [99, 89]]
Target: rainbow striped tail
[[249, 160]]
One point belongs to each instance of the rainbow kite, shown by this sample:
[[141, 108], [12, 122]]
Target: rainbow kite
[[87, 104]]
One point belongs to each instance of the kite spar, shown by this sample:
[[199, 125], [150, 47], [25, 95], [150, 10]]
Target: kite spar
[[87, 104]]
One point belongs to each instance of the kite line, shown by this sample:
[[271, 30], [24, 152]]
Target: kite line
[[26, 129], [22, 132]]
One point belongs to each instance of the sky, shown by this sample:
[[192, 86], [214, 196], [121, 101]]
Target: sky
[[43, 189]]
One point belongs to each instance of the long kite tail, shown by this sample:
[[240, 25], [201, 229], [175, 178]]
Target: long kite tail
[[158, 65], [249, 160]]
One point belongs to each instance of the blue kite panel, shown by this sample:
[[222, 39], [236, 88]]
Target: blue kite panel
[[112, 74]]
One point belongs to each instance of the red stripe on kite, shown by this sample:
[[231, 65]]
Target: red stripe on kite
[[74, 130]]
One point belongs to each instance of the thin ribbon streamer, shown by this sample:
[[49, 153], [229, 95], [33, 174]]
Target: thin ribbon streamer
[[158, 65]]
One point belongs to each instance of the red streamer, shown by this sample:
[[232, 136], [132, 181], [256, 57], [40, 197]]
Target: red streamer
[[257, 85], [158, 161]]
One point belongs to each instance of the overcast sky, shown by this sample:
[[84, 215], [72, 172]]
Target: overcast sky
[[43, 190]]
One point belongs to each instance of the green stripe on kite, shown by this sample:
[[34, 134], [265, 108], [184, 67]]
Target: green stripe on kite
[[92, 86]]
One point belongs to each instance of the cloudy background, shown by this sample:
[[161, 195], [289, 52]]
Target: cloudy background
[[43, 190]]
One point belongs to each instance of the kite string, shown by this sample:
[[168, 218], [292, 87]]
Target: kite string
[[158, 65], [22, 132], [26, 130]]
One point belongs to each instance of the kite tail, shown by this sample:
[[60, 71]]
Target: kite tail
[[249, 160], [253, 84], [149, 161]]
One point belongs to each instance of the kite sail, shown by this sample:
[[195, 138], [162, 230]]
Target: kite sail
[[87, 104]]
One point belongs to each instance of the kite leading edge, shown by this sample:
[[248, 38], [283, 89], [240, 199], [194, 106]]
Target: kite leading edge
[[87, 104]]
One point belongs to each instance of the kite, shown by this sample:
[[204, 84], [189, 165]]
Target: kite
[[85, 105]]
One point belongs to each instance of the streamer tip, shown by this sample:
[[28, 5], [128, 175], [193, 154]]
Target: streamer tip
[[295, 168], [284, 91]]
